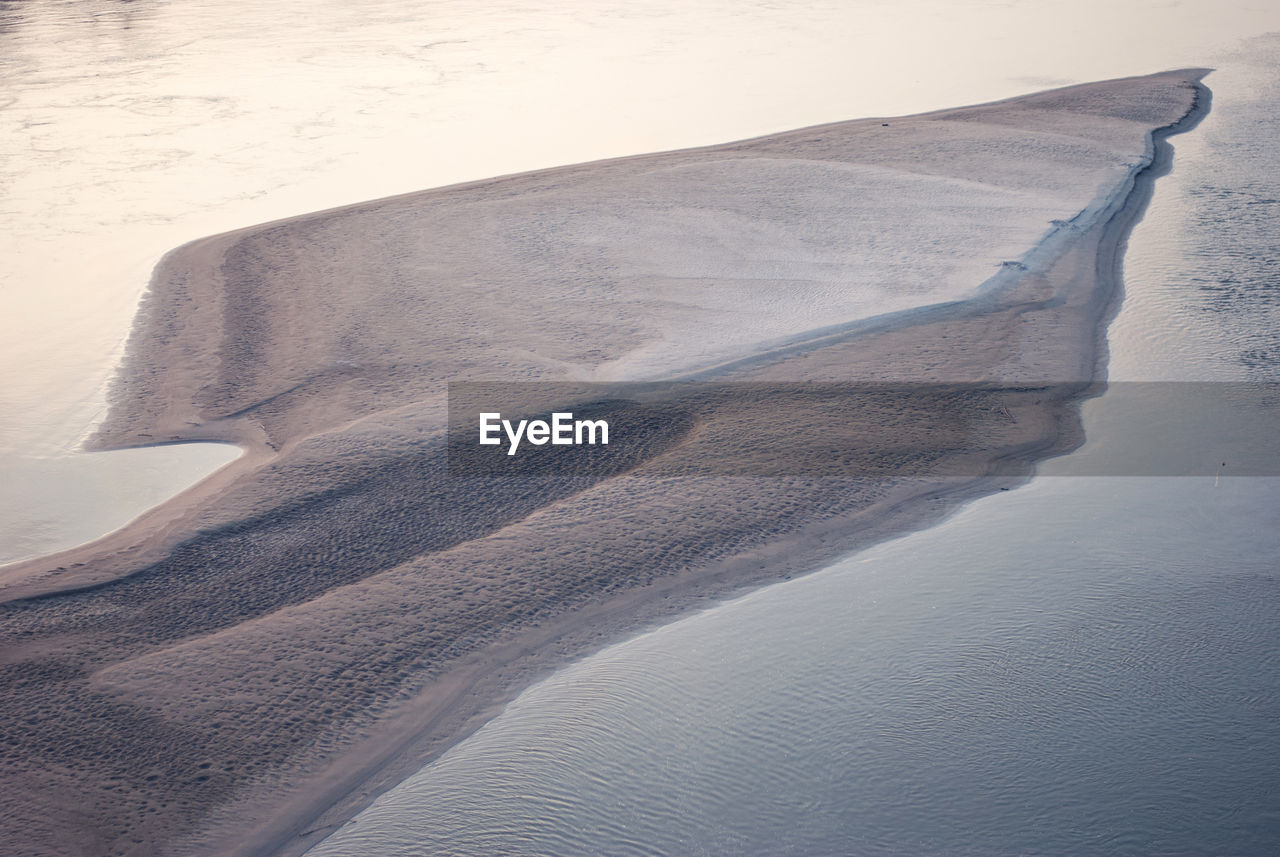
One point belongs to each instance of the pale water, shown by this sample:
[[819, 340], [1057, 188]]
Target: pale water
[[1080, 666], [128, 127]]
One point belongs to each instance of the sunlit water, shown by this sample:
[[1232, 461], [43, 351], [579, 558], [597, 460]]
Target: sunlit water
[[127, 128], [1081, 666]]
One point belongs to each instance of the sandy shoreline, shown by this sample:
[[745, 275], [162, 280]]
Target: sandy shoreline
[[262, 642]]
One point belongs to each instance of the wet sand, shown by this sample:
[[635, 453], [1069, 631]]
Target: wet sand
[[247, 666]]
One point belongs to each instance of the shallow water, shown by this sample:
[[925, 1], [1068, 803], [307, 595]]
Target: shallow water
[[1083, 665], [1204, 302], [56, 500], [131, 127]]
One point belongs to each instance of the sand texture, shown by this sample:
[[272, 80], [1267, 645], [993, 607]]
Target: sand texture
[[245, 667]]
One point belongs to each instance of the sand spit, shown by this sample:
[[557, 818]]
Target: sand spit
[[246, 667]]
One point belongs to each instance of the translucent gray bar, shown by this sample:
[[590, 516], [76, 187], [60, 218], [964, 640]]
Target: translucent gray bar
[[845, 430]]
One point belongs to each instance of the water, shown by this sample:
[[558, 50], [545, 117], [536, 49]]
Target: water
[[1081, 666], [132, 126], [1084, 665], [1204, 303]]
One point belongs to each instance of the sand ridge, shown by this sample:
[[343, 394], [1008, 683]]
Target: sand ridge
[[338, 609]]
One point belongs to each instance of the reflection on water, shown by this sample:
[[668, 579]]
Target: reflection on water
[[1082, 666], [61, 500], [127, 128]]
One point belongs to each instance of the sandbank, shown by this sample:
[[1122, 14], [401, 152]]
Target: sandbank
[[249, 665]]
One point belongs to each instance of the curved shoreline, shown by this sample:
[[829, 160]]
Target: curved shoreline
[[439, 709]]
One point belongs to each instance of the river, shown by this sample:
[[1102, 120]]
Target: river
[[1084, 665]]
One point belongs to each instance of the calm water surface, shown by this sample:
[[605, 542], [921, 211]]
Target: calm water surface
[[1081, 666]]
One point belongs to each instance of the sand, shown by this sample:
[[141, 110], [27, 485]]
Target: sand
[[244, 668]]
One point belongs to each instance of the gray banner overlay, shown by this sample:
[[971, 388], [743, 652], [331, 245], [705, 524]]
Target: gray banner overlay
[[846, 430]]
